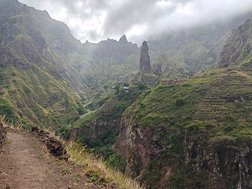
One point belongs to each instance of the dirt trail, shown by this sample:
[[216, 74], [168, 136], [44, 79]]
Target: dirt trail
[[26, 164]]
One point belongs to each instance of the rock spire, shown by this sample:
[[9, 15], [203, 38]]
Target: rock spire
[[145, 65]]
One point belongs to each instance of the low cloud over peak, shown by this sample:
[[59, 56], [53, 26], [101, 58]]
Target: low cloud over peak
[[95, 20]]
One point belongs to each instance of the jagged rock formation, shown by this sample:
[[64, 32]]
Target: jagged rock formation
[[112, 61], [111, 50], [145, 75], [238, 47], [2, 134], [145, 65], [123, 39]]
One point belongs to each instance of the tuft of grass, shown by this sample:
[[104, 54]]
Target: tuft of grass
[[66, 172]]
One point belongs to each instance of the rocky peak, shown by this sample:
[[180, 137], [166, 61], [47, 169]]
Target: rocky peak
[[123, 39], [145, 65]]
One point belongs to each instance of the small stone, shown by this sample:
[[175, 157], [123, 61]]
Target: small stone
[[4, 174]]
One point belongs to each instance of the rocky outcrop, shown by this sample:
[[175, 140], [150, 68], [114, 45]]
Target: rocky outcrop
[[2, 134], [146, 75], [55, 147], [145, 66], [238, 47]]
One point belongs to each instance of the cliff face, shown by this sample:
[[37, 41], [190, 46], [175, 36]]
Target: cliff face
[[195, 163]]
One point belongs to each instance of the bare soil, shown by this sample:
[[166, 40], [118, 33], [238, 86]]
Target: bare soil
[[26, 164]]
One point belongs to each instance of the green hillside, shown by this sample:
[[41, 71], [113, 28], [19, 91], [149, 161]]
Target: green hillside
[[195, 133], [36, 88]]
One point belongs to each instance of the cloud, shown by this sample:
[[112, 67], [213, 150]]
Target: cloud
[[95, 20]]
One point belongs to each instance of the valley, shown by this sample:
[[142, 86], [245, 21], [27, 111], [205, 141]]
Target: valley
[[175, 112]]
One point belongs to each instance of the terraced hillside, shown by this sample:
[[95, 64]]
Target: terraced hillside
[[194, 133]]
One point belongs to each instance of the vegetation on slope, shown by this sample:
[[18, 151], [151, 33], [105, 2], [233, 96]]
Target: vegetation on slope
[[98, 130], [97, 171], [36, 89], [220, 100]]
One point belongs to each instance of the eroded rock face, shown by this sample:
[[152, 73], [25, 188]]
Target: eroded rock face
[[152, 159], [145, 65], [2, 134], [228, 163]]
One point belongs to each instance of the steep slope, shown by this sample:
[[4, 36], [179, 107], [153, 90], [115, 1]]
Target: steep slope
[[238, 48], [195, 133], [36, 88]]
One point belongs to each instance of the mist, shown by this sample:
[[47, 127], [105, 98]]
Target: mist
[[95, 20]]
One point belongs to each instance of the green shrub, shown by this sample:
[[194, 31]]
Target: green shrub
[[180, 102], [117, 162]]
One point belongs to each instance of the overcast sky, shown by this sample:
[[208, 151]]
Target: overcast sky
[[95, 20]]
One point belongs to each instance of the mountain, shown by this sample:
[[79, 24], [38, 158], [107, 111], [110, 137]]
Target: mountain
[[195, 133], [188, 51], [112, 61], [191, 128], [37, 86]]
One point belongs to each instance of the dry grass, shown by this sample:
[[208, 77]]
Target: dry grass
[[80, 156]]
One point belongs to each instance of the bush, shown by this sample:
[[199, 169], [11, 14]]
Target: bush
[[6, 110], [180, 102], [117, 162]]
